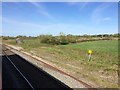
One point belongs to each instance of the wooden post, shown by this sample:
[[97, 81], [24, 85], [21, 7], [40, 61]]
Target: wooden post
[[89, 57]]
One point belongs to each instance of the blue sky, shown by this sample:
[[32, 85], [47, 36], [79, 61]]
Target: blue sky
[[78, 18]]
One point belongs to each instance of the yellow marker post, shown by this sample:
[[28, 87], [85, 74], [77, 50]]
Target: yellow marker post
[[89, 55], [89, 51]]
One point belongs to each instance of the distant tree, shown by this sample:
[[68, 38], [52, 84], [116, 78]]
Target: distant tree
[[5, 38], [116, 35], [71, 38], [45, 38], [100, 35], [105, 35], [63, 39]]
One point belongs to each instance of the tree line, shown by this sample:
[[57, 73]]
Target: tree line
[[63, 39]]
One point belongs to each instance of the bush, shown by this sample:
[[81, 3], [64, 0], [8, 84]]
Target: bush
[[54, 40], [71, 38], [5, 38], [63, 40], [45, 39]]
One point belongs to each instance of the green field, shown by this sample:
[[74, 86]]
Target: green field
[[73, 58]]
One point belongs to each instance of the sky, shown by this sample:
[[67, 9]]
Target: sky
[[77, 18]]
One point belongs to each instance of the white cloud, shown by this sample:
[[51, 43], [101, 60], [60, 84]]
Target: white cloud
[[81, 5], [106, 19], [41, 9], [98, 14], [28, 28], [13, 27], [14, 22], [84, 4]]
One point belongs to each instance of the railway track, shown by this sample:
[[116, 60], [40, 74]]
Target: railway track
[[55, 69], [88, 87], [19, 73]]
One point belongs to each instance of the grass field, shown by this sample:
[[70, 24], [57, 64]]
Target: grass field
[[73, 58]]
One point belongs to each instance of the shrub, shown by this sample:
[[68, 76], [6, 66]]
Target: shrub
[[45, 39], [54, 40]]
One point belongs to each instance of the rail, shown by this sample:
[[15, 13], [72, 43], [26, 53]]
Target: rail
[[18, 70]]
